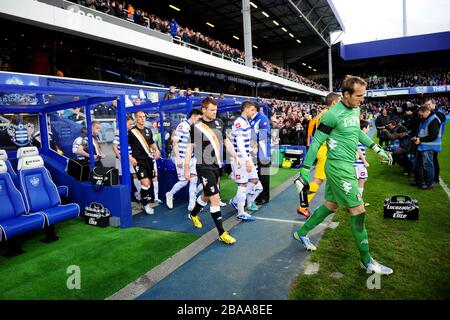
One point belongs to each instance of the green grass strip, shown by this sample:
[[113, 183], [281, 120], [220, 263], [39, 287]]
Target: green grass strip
[[108, 258]]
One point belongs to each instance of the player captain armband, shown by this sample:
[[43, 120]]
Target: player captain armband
[[324, 128]]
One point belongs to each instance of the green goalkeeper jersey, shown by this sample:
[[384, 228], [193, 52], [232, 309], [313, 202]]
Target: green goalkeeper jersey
[[342, 141]]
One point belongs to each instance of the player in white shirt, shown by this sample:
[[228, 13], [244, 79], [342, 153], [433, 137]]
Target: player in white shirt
[[361, 163], [116, 149], [246, 176], [180, 141]]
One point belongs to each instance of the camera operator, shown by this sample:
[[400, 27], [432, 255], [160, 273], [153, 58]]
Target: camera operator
[[428, 140]]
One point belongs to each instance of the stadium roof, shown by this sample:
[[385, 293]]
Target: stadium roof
[[307, 20]]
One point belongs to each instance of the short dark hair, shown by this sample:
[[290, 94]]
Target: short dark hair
[[364, 124], [247, 104], [393, 122], [195, 112], [207, 101], [350, 81], [424, 108], [332, 96]]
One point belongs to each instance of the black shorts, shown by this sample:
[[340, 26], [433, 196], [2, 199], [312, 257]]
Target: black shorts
[[144, 169], [209, 178]]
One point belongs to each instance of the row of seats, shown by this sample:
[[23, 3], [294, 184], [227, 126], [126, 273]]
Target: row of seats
[[34, 203], [23, 153]]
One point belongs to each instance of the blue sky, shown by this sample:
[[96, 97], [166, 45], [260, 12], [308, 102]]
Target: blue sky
[[368, 20]]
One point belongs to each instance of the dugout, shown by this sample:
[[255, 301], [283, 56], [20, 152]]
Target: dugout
[[38, 103]]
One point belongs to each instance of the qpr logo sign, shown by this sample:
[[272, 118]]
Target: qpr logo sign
[[19, 133]]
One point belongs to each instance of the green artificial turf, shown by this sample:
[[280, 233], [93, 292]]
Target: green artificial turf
[[108, 258], [418, 251]]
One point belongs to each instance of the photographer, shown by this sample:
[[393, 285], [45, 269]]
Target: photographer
[[429, 141], [400, 147]]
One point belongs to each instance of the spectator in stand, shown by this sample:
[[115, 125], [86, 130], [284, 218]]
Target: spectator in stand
[[299, 134], [173, 28], [139, 18], [170, 94], [196, 92], [120, 13], [130, 12], [286, 133], [189, 92]]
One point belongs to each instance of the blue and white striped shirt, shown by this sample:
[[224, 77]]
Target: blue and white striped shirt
[[358, 159], [241, 130], [117, 141], [183, 133]]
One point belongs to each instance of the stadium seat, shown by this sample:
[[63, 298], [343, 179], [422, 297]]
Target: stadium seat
[[41, 194], [13, 218], [12, 173], [24, 152]]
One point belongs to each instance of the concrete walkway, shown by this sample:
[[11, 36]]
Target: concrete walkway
[[261, 265]]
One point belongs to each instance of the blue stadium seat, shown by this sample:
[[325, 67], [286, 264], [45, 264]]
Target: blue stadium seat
[[12, 173], [24, 152], [13, 218], [41, 194]]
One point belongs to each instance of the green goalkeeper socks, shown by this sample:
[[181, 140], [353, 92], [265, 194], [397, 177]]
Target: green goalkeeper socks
[[318, 216], [360, 234]]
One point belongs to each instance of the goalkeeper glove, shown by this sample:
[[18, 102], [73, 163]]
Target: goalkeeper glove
[[385, 156], [304, 173], [302, 179]]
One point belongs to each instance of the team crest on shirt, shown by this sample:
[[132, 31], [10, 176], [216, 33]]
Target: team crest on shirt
[[346, 186], [238, 176], [180, 127], [238, 125]]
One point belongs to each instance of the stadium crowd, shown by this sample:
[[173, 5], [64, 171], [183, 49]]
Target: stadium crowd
[[399, 78], [127, 11]]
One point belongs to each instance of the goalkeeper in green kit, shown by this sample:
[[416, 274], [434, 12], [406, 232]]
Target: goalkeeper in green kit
[[340, 128]]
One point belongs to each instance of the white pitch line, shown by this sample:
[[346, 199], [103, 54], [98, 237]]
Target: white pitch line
[[444, 186], [280, 220]]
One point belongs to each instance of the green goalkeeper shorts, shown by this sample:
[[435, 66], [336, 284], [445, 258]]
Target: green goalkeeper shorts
[[341, 185]]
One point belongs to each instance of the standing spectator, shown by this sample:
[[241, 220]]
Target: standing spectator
[[299, 134], [170, 94], [381, 123], [286, 133], [173, 28], [428, 141], [120, 13], [431, 103]]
